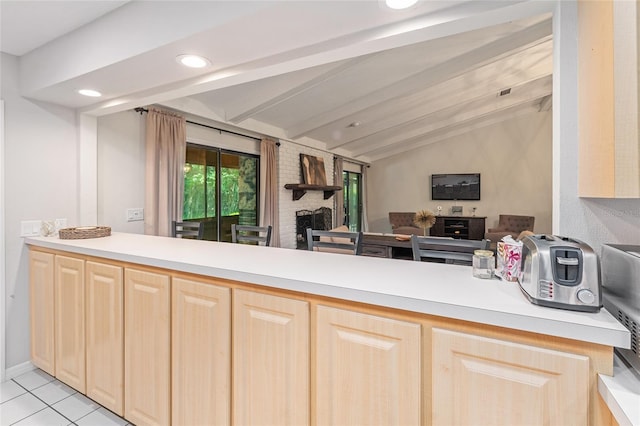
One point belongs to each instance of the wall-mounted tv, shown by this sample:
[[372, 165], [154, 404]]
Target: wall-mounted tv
[[461, 186]]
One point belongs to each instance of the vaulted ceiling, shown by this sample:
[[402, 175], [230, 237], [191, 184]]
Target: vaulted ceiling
[[370, 85]]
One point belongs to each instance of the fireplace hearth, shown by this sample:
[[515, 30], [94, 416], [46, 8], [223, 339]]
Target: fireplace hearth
[[319, 219]]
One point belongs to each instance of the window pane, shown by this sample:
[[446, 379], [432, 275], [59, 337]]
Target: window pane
[[236, 182], [352, 200], [211, 191], [194, 196]]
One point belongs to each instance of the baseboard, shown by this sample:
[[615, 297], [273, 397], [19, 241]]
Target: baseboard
[[19, 369]]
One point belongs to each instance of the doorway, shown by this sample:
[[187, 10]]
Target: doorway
[[352, 200]]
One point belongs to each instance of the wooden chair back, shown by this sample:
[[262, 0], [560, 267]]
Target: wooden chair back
[[192, 230], [452, 251], [334, 241], [249, 234]]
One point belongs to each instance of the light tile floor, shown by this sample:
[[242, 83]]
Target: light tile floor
[[38, 399]]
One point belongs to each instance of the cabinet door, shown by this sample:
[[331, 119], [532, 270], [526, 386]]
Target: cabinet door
[[437, 230], [69, 321], [478, 380], [200, 353], [270, 360], [41, 284], [146, 348], [476, 228], [105, 336], [368, 369]]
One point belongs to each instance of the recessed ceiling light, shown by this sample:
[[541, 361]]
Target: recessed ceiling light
[[90, 93], [193, 61], [400, 4]]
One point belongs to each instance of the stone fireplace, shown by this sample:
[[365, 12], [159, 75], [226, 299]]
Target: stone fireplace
[[320, 219]]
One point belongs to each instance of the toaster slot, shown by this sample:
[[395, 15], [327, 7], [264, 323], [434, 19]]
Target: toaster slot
[[566, 265]]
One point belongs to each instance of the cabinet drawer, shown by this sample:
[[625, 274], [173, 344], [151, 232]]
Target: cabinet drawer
[[375, 251]]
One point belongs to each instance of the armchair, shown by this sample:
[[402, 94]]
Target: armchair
[[509, 224], [402, 223]]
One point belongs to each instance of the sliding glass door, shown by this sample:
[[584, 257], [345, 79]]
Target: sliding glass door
[[220, 189], [352, 200]]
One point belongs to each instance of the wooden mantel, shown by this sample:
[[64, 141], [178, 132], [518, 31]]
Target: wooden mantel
[[299, 189]]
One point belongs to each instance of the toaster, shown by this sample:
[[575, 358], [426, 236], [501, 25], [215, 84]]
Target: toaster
[[560, 272]]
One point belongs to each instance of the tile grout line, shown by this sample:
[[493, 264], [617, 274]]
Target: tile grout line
[[27, 391], [47, 405]]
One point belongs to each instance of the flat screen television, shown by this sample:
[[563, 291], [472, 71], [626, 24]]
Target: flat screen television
[[461, 186]]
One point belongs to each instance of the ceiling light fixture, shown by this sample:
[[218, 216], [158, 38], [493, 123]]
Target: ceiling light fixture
[[400, 4], [89, 92], [193, 61]]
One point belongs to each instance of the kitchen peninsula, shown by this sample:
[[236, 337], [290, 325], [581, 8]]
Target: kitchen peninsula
[[203, 332]]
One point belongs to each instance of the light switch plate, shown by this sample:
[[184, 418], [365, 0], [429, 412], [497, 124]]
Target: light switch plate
[[134, 215], [30, 228]]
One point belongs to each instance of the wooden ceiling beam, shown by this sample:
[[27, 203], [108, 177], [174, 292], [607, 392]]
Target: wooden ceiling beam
[[533, 64], [299, 89], [461, 64], [454, 115], [451, 131]]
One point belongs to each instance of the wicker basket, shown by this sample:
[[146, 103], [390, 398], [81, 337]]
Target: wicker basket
[[82, 232]]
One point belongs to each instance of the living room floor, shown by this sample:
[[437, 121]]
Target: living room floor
[[38, 399]]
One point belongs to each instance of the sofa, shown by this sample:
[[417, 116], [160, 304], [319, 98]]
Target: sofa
[[402, 223]]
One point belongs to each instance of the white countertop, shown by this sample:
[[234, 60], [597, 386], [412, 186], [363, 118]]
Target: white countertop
[[436, 289], [622, 393]]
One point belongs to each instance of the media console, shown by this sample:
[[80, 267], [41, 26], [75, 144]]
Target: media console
[[462, 227]]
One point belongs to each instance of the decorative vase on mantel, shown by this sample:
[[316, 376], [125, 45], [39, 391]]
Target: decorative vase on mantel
[[425, 219]]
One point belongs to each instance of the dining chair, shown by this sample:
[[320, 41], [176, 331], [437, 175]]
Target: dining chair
[[191, 230], [449, 250], [249, 234], [334, 241]]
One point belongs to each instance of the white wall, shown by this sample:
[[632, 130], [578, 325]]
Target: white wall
[[512, 157], [41, 183], [121, 165]]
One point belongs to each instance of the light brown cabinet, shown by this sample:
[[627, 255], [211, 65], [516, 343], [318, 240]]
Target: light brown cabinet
[[69, 321], [41, 290], [180, 349], [479, 380], [608, 108], [200, 353], [105, 335], [368, 369], [270, 359], [146, 347]]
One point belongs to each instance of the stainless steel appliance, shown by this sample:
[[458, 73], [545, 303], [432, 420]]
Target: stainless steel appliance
[[560, 272], [621, 293]]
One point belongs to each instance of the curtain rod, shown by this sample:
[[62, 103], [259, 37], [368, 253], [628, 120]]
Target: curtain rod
[[141, 110]]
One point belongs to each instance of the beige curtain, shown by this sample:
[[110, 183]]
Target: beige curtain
[[338, 202], [365, 215], [166, 144], [269, 189]]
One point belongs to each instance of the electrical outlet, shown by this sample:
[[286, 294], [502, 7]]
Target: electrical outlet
[[134, 215], [30, 228]]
